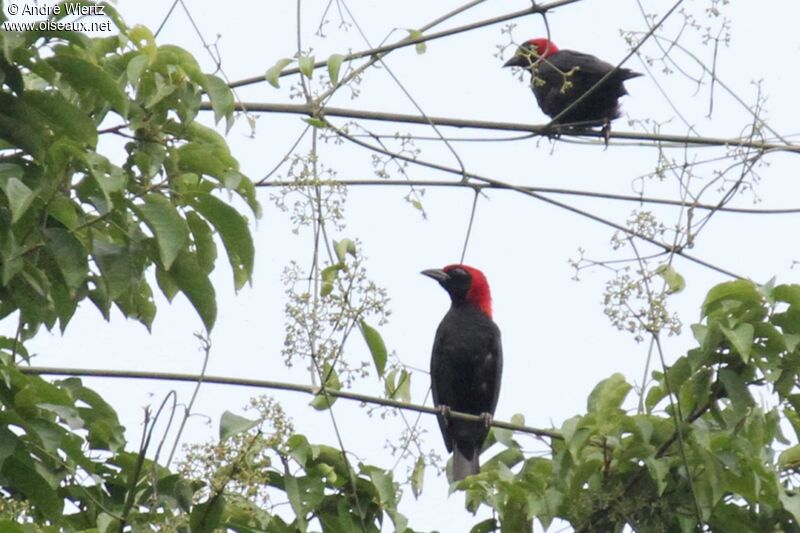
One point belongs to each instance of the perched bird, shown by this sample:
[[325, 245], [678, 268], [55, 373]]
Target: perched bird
[[466, 364], [559, 77]]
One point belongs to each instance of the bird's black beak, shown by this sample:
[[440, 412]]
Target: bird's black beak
[[436, 273], [517, 60]]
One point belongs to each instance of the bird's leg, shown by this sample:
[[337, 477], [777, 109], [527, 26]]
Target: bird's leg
[[553, 133], [487, 419], [444, 412], [606, 131]]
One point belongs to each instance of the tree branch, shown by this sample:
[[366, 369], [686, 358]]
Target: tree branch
[[276, 385], [420, 39], [544, 190], [544, 130]]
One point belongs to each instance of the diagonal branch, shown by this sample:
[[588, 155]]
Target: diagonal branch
[[666, 248], [544, 190], [419, 39]]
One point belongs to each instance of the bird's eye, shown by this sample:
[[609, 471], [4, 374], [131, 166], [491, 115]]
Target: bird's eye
[[458, 272]]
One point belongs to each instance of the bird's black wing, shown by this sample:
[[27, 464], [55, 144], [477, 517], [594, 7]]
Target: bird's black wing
[[441, 380], [494, 370], [566, 60], [589, 65]]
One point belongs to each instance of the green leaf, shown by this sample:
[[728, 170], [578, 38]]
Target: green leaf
[[231, 424], [790, 458], [503, 461], [317, 123], [221, 98], [376, 346], [791, 502], [345, 246], [397, 385], [169, 54], [306, 64], [194, 283], [274, 72], [21, 128], [64, 210], [69, 254], [740, 338], [323, 401], [741, 291], [675, 282], [12, 527], [659, 470], [233, 230], [485, 526], [207, 516], [21, 474], [168, 285], [788, 293], [19, 196], [329, 275], [608, 395], [115, 266], [136, 66], [737, 390], [88, 78], [334, 64], [66, 119], [296, 501], [420, 47], [166, 223], [382, 480], [504, 436], [418, 477], [109, 177], [179, 489], [203, 157], [203, 240]]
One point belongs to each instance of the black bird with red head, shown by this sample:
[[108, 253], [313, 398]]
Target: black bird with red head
[[560, 77], [466, 364]]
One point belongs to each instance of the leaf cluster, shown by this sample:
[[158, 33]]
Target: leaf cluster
[[73, 223]]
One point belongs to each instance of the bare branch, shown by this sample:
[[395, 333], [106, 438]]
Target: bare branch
[[544, 130], [276, 385], [545, 190]]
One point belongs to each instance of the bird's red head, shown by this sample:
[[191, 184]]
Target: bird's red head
[[530, 53], [543, 47], [464, 284], [478, 293]]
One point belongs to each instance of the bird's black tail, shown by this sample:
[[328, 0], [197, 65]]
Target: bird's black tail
[[465, 464]]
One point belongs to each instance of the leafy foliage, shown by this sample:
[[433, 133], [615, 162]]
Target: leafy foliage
[[76, 225], [701, 451]]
